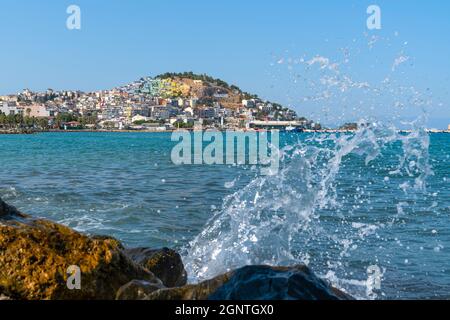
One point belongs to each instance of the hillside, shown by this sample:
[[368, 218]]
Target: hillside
[[208, 89]]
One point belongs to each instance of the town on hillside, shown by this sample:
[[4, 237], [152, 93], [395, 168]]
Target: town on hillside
[[169, 101]]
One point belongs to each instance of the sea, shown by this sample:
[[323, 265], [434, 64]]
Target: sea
[[368, 211]]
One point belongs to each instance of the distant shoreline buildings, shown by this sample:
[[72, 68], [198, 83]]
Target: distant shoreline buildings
[[167, 102]]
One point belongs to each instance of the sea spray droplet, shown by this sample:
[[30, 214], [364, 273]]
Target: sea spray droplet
[[230, 184], [398, 61]]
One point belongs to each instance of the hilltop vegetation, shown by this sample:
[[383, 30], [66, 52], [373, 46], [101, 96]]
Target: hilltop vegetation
[[208, 80]]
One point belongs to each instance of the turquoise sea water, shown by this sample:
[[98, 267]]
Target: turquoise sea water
[[346, 205]]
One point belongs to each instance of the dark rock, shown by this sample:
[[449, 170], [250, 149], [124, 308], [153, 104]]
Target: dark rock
[[35, 255], [138, 290], [257, 283], [166, 264], [9, 212], [276, 283]]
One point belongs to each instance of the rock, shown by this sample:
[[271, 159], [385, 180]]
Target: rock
[[7, 211], [108, 238], [166, 264], [200, 291], [35, 255], [277, 283], [257, 283], [138, 290]]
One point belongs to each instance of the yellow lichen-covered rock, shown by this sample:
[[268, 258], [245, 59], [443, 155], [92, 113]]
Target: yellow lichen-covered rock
[[36, 254], [164, 263], [137, 290], [201, 291]]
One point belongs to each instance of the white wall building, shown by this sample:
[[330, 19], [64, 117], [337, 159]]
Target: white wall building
[[10, 108]]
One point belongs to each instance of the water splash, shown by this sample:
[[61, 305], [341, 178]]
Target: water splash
[[325, 206], [299, 215]]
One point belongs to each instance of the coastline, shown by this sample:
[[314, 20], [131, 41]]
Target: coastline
[[30, 132]]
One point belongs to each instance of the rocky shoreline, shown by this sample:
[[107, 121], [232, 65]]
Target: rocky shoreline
[[17, 131], [35, 255]]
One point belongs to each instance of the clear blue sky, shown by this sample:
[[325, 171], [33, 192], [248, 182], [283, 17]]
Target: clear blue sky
[[236, 40]]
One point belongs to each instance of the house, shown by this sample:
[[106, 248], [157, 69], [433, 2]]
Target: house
[[10, 108], [189, 111], [72, 125], [266, 107], [139, 118], [193, 103], [205, 113], [221, 95], [249, 103], [37, 111], [160, 112]]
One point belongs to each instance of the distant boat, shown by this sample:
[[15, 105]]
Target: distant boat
[[293, 129]]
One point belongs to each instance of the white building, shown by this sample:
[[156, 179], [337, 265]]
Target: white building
[[249, 103], [193, 103], [266, 107], [10, 108], [189, 111], [139, 118]]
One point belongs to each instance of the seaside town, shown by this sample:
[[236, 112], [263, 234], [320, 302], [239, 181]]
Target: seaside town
[[166, 102]]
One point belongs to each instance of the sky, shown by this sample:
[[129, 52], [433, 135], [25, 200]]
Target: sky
[[247, 43]]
